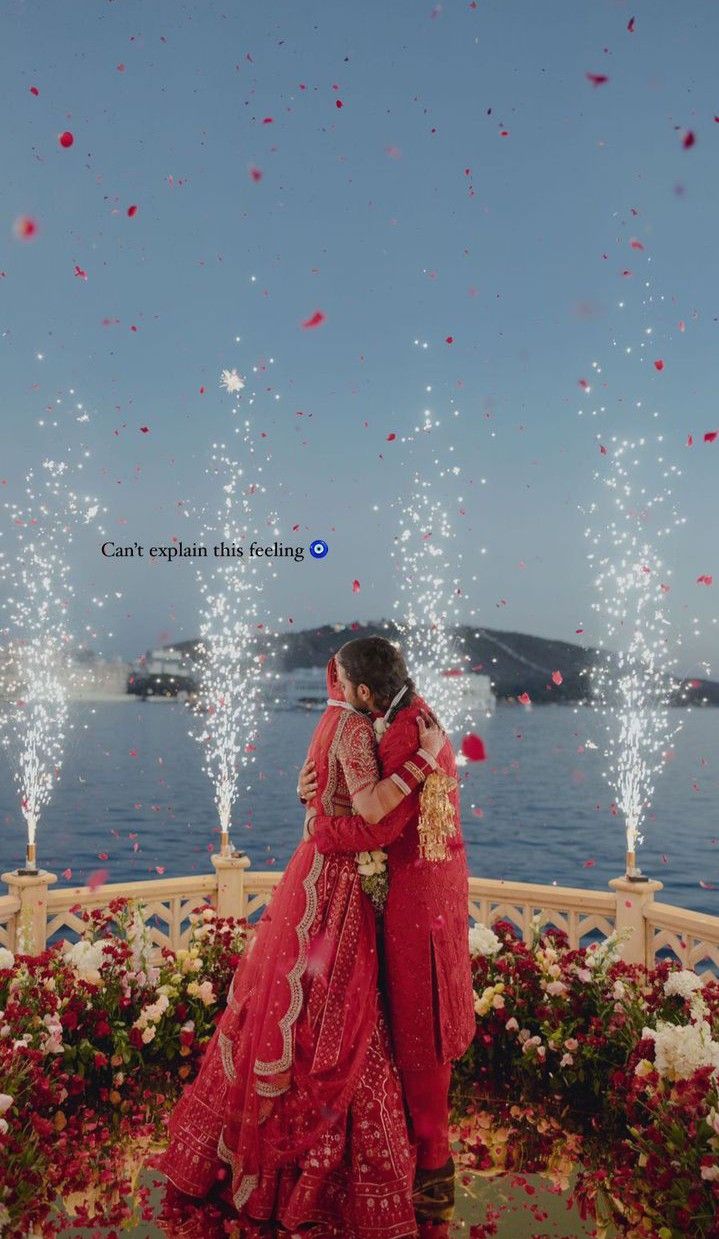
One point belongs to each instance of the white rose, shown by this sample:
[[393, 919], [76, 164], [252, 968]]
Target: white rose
[[3, 1127], [7, 959], [483, 941], [683, 983], [5, 1102]]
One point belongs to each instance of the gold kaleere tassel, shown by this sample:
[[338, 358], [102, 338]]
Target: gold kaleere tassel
[[437, 821]]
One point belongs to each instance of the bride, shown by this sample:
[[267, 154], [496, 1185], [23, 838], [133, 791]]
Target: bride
[[296, 1117]]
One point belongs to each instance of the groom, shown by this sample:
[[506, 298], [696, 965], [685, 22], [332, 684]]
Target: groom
[[427, 968]]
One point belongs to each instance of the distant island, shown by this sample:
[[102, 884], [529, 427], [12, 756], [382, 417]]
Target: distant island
[[515, 662]]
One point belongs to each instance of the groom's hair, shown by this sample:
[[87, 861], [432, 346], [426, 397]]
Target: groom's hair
[[380, 665]]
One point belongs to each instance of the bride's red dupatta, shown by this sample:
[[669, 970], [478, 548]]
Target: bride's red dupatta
[[287, 1077]]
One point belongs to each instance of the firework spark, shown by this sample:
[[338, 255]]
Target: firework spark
[[633, 684], [429, 571], [232, 662], [39, 638]]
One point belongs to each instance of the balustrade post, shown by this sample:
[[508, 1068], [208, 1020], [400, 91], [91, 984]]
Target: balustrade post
[[29, 935], [231, 883], [633, 900]]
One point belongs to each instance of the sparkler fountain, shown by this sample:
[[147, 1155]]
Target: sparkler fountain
[[429, 568], [34, 719], [634, 684], [232, 663]]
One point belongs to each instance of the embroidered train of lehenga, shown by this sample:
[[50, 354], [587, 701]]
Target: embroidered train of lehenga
[[296, 1116]]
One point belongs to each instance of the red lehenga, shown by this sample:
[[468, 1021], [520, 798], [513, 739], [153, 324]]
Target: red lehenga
[[296, 1117]]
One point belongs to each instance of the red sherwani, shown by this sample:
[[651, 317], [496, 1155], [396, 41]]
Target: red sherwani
[[428, 975]]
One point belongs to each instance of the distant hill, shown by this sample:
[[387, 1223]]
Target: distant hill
[[515, 662]]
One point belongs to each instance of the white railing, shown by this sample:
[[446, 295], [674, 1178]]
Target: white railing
[[32, 916]]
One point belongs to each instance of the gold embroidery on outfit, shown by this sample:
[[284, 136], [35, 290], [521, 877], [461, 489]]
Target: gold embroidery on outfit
[[226, 1056], [294, 977], [437, 822], [357, 753]]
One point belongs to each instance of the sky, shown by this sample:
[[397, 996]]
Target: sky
[[502, 214]]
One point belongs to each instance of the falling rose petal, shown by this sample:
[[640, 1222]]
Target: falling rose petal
[[267, 120], [557, 677], [705, 580], [81, 275], [636, 245], [588, 864], [477, 811], [602, 450], [132, 210], [630, 25], [664, 858], [391, 438], [682, 325], [578, 631], [120, 68], [144, 430], [524, 699], [710, 436], [159, 868], [97, 879], [25, 228], [473, 748], [315, 320], [688, 140], [707, 886], [583, 383], [256, 174], [355, 587], [102, 856], [339, 103], [659, 364], [690, 440], [34, 91], [66, 139], [67, 874], [597, 79], [449, 339]]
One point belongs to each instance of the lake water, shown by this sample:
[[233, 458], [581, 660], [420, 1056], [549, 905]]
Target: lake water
[[134, 800]]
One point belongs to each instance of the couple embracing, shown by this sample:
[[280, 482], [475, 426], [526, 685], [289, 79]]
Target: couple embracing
[[321, 1106]]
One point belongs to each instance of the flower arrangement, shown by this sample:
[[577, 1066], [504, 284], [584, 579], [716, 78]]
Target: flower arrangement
[[95, 1043], [375, 882], [582, 1060]]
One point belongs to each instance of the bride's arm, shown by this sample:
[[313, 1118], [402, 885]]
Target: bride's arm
[[372, 796], [383, 807]]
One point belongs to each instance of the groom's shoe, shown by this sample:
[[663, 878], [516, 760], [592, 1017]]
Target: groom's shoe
[[433, 1199]]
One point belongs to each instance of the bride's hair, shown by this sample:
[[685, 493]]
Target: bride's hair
[[380, 665]]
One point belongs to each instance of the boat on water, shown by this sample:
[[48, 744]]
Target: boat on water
[[161, 675]]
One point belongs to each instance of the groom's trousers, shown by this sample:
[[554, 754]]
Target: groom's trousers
[[426, 1094]]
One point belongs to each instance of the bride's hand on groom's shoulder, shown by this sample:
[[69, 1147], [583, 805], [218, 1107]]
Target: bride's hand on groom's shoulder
[[307, 781], [431, 736]]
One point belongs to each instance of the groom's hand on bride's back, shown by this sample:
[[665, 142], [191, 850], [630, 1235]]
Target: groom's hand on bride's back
[[307, 782]]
